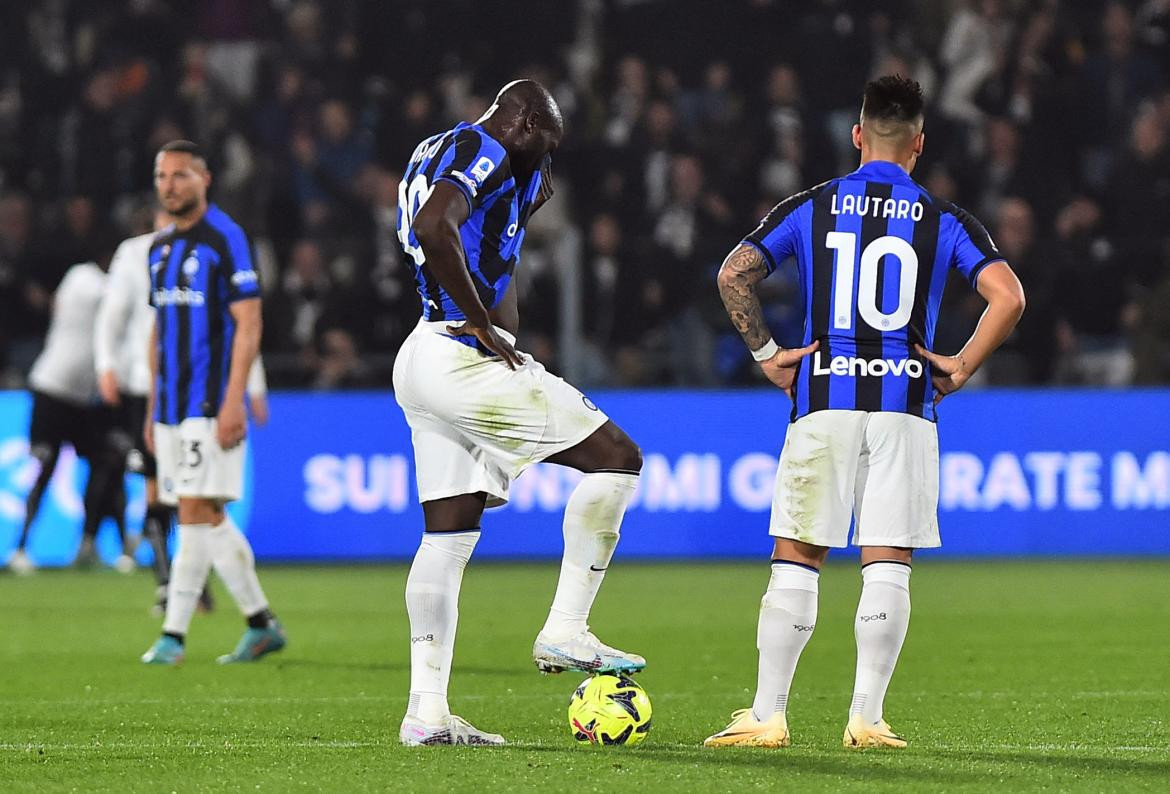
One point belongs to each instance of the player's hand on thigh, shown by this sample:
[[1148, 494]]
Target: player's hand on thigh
[[491, 340], [781, 368], [231, 424], [259, 405]]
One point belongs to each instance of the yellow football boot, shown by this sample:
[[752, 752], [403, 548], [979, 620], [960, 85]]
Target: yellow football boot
[[860, 734], [745, 730]]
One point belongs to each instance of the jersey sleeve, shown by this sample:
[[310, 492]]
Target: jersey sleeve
[[778, 234], [236, 266], [471, 163], [114, 309], [154, 258], [973, 249]]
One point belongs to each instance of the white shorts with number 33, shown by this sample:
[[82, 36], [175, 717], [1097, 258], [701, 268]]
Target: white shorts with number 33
[[191, 463]]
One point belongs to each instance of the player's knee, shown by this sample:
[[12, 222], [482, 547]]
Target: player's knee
[[200, 511], [627, 456]]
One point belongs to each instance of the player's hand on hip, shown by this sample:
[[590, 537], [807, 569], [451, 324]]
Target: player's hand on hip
[[947, 373], [781, 368], [231, 424], [490, 339], [108, 387]]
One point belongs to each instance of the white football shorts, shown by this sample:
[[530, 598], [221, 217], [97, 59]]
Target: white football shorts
[[191, 463], [880, 468], [475, 423]]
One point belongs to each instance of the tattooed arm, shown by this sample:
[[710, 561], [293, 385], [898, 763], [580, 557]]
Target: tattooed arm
[[741, 271]]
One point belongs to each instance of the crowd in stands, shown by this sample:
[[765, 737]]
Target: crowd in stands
[[687, 120]]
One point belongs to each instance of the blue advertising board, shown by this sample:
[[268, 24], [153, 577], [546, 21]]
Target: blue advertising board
[[1039, 472]]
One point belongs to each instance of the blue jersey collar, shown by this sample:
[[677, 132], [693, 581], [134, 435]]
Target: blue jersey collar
[[883, 171]]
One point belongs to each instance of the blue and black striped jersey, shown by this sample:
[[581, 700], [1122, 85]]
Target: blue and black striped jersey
[[477, 164], [872, 253], [195, 276]]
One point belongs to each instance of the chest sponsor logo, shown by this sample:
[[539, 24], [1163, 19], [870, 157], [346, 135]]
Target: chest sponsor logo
[[866, 367], [178, 296], [191, 266]]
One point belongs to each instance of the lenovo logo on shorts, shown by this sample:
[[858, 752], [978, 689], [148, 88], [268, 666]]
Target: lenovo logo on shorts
[[866, 367]]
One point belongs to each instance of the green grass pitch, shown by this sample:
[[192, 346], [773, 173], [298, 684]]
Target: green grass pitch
[[1015, 676]]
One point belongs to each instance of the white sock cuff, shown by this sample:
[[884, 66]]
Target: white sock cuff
[[792, 576], [618, 479], [184, 528], [894, 573], [457, 545]]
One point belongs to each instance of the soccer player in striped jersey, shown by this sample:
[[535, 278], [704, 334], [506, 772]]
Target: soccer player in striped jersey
[[872, 250], [480, 412], [121, 335], [206, 296]]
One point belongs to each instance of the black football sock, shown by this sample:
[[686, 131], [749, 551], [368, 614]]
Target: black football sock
[[156, 527], [261, 619]]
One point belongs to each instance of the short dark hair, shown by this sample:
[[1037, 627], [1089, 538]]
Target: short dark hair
[[892, 98], [184, 147]]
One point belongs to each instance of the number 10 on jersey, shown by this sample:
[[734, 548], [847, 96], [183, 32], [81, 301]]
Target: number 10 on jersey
[[846, 269]]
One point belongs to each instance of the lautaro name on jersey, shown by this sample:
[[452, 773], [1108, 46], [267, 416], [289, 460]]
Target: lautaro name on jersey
[[476, 163], [872, 251]]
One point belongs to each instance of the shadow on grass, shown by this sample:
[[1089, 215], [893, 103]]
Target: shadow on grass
[[387, 667], [1088, 763], [854, 766]]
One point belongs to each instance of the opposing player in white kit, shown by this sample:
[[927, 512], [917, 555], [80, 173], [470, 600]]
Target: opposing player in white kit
[[121, 337], [873, 250], [480, 412], [65, 410]]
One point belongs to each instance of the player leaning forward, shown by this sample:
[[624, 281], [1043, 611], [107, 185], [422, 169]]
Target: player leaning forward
[[206, 295], [480, 412], [873, 250]]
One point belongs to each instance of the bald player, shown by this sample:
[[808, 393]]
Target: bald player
[[873, 250], [480, 412]]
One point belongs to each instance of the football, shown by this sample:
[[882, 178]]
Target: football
[[609, 709]]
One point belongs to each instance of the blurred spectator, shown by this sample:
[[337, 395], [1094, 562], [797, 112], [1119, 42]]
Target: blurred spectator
[[1091, 301], [301, 300], [973, 50], [26, 304], [1026, 358], [339, 366], [1112, 84], [1139, 195], [328, 164], [791, 136]]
